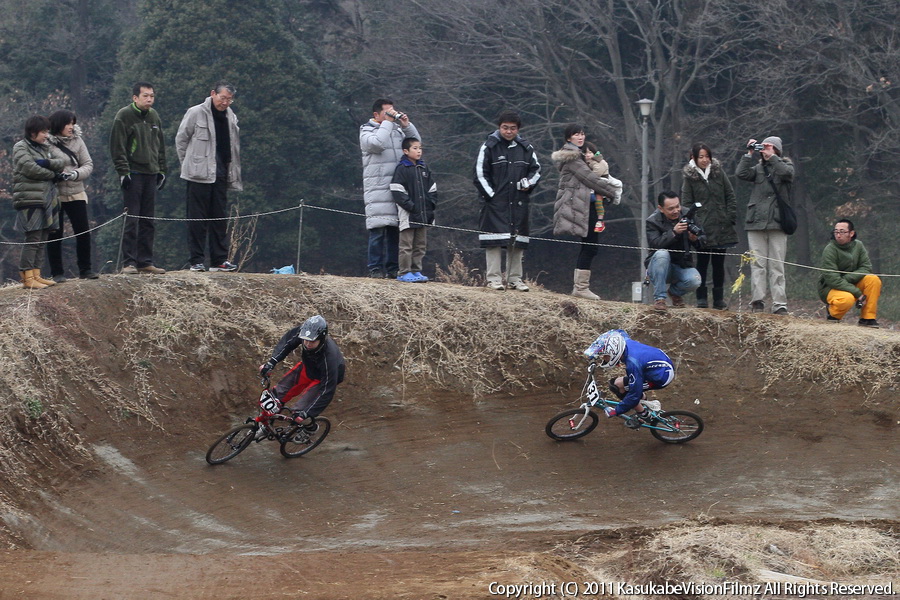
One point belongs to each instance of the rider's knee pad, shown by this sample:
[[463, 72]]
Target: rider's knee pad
[[615, 389]]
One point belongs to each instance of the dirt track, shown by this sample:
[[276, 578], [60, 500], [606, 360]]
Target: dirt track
[[428, 495], [432, 482]]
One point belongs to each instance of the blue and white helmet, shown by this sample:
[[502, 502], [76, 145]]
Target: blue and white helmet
[[607, 349]]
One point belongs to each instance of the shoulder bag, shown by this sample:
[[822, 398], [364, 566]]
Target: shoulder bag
[[786, 212]]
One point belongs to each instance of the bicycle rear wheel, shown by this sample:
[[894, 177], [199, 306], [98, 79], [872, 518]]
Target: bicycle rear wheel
[[231, 444], [685, 427], [300, 439], [571, 424]]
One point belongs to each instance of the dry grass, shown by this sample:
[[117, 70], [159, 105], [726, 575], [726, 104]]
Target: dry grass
[[713, 553]]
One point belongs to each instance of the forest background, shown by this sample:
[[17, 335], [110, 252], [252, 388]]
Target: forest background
[[821, 74]]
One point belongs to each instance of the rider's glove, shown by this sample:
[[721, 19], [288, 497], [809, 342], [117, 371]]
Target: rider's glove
[[268, 366], [610, 412]]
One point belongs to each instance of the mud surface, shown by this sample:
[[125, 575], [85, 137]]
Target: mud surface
[[418, 492], [397, 491]]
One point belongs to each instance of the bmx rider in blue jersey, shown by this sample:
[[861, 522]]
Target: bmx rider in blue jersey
[[646, 368]]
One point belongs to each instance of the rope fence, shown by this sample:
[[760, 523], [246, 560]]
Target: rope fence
[[303, 205]]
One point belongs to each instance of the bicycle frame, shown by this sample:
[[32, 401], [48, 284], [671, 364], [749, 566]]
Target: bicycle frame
[[594, 397]]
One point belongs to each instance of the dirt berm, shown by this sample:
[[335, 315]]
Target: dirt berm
[[437, 480]]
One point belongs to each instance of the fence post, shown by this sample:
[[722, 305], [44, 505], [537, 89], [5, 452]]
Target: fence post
[[299, 236]]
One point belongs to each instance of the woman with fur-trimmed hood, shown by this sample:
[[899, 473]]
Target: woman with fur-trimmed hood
[[574, 213], [705, 182]]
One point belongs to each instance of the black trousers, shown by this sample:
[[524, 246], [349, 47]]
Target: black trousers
[[77, 211], [137, 238], [716, 256], [208, 201]]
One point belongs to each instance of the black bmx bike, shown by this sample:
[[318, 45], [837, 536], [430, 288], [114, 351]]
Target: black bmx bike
[[271, 424], [671, 427]]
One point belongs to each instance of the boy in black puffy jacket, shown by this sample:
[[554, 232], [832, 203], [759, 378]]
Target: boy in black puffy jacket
[[415, 193]]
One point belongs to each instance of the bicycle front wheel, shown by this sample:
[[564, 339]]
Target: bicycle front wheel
[[231, 444], [301, 439], [680, 426], [571, 424]]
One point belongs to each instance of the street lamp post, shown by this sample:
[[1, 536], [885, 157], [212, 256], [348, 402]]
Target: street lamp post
[[646, 107]]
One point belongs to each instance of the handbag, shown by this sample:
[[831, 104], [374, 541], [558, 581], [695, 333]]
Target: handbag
[[786, 213]]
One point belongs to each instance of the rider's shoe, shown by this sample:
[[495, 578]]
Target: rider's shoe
[[632, 422], [311, 427]]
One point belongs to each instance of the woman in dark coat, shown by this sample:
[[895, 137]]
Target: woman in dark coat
[[705, 182], [36, 166]]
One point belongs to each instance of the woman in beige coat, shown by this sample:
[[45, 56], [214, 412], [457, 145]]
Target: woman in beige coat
[[574, 213], [65, 135]]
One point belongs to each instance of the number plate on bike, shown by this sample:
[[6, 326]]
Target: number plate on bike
[[269, 403], [593, 394]]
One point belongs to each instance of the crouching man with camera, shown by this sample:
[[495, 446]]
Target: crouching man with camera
[[672, 231]]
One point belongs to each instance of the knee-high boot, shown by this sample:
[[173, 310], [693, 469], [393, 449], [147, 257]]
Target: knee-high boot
[[582, 285]]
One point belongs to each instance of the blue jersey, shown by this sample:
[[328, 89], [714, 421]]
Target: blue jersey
[[646, 368]]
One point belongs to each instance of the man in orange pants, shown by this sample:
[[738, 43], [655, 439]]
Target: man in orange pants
[[848, 280]]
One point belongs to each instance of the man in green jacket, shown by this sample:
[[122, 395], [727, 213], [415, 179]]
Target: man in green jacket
[[848, 280], [139, 157]]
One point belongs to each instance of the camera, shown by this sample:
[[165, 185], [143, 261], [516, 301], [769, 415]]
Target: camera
[[688, 218], [398, 115], [756, 147]]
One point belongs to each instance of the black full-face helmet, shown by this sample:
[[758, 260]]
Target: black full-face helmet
[[314, 328]]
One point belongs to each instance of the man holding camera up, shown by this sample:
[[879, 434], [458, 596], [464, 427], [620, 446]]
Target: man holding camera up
[[380, 140], [672, 231]]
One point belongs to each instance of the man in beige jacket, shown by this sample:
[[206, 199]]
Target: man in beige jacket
[[209, 148]]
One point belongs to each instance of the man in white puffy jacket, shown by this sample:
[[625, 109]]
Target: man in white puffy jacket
[[209, 148], [380, 140]]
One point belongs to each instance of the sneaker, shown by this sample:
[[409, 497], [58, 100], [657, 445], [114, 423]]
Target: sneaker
[[420, 278], [519, 285], [757, 306], [199, 268], [151, 270], [869, 323], [781, 310], [225, 266], [59, 278], [88, 274], [496, 285], [828, 317], [376, 274], [408, 278], [677, 301], [392, 275], [599, 226], [130, 270], [660, 304]]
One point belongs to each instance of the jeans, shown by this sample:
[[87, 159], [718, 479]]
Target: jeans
[[384, 246], [661, 272]]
